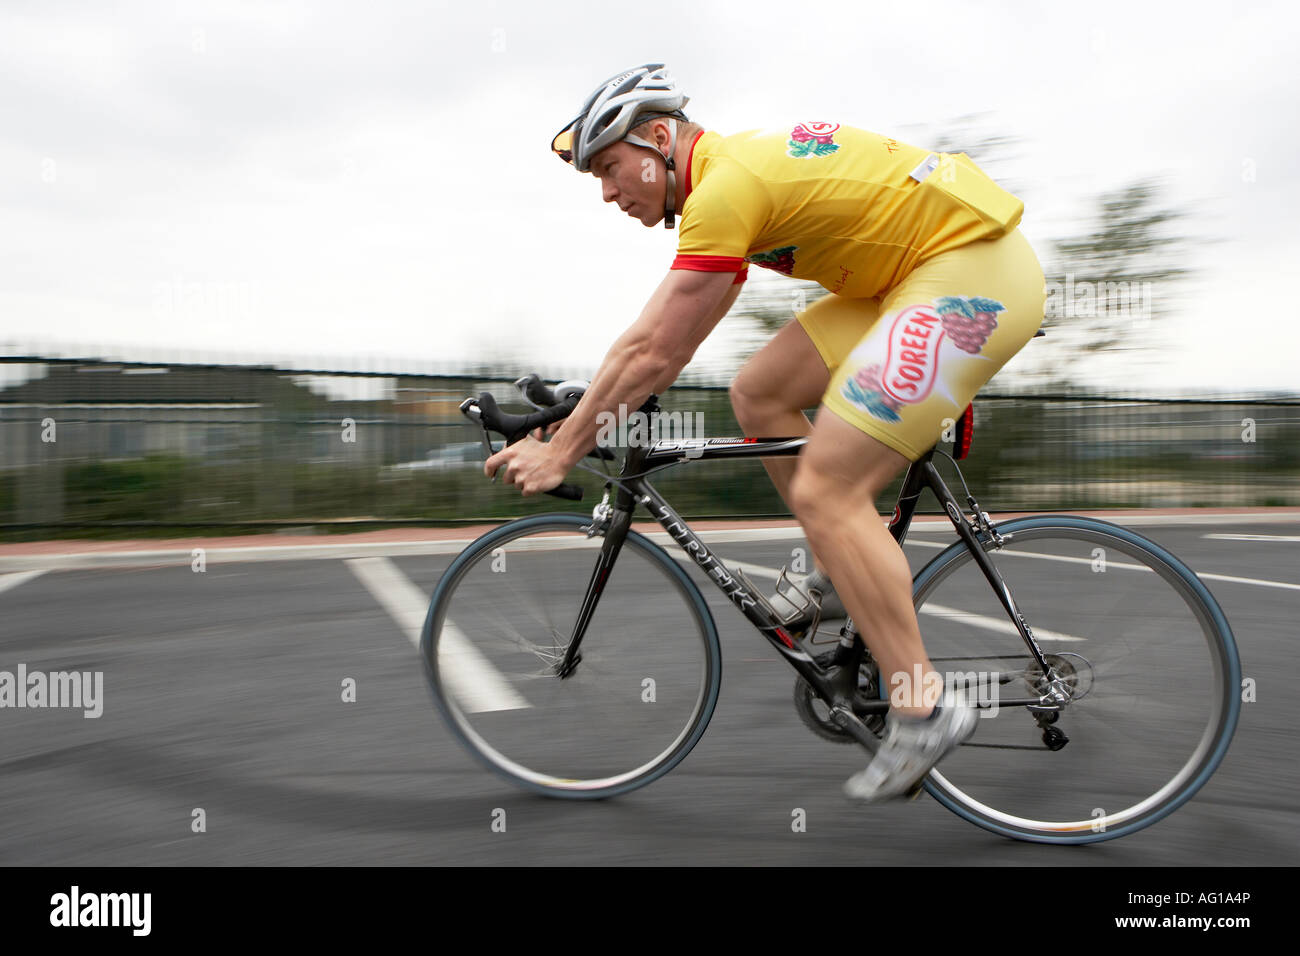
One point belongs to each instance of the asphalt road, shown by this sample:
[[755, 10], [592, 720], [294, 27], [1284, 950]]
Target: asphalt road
[[223, 692]]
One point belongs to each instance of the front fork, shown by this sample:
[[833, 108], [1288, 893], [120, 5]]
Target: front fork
[[613, 524]]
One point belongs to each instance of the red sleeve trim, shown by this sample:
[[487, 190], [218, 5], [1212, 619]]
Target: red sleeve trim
[[740, 276], [709, 263]]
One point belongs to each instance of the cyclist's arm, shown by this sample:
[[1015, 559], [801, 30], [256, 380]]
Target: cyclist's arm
[[670, 376], [728, 301], [650, 354]]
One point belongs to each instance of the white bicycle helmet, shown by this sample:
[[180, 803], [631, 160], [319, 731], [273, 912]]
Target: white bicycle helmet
[[623, 101]]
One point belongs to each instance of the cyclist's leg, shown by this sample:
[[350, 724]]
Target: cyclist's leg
[[889, 402], [841, 475], [791, 373]]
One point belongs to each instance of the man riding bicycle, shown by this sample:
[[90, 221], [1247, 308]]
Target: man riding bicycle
[[932, 290]]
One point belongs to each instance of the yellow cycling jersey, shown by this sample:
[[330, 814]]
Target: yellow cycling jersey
[[852, 210]]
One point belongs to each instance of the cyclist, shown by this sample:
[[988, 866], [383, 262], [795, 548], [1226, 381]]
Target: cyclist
[[933, 288]]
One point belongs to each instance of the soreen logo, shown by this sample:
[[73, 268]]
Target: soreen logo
[[102, 909], [913, 352]]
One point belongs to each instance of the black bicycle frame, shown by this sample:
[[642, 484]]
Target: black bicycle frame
[[634, 489]]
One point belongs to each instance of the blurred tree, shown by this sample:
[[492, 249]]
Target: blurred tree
[[1106, 285]]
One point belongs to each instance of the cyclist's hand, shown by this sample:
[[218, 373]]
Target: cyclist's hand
[[551, 429], [530, 465]]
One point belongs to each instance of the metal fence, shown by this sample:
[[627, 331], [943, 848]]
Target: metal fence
[[98, 447]]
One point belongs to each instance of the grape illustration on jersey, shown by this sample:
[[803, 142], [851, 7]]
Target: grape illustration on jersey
[[809, 140], [918, 336], [780, 260]]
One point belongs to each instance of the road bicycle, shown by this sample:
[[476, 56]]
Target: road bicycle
[[579, 659]]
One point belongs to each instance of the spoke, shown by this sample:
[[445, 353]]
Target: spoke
[[507, 631], [1144, 663], [543, 621]]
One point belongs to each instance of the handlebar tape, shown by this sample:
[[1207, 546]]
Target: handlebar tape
[[515, 427]]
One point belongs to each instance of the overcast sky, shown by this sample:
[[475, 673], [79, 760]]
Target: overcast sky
[[368, 184]]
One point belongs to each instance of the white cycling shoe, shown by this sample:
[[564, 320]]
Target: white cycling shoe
[[909, 750]]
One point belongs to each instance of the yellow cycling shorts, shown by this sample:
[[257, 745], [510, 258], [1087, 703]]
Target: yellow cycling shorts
[[906, 364]]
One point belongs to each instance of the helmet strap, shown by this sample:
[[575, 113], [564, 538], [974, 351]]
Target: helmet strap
[[670, 197]]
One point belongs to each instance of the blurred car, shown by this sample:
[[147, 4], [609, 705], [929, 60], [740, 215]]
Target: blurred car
[[468, 454]]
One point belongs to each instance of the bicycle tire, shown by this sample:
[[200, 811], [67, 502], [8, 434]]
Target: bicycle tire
[[1150, 613], [642, 695]]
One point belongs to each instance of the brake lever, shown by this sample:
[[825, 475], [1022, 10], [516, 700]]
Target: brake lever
[[522, 385], [473, 410], [469, 408]]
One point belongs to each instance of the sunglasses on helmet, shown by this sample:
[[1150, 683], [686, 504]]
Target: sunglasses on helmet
[[562, 143]]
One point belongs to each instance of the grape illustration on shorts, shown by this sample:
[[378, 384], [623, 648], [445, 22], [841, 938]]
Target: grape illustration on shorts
[[864, 390], [782, 260], [968, 320]]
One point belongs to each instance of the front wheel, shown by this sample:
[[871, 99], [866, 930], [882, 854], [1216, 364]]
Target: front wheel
[[500, 621], [1139, 643]]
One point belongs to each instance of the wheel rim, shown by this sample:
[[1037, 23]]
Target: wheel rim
[[986, 799], [636, 703]]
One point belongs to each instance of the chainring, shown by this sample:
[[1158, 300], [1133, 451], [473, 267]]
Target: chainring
[[814, 713]]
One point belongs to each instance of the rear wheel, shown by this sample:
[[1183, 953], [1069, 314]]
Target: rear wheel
[[642, 694], [1134, 637]]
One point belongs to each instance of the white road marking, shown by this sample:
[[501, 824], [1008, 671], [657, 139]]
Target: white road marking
[[1010, 551], [993, 623], [1204, 575], [938, 610], [1253, 537], [470, 677], [1258, 582], [8, 581], [1124, 566]]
